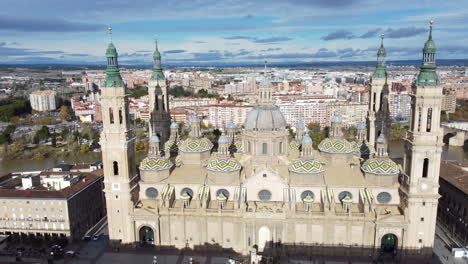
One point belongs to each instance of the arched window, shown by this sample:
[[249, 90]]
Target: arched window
[[264, 148], [116, 168], [429, 120], [419, 119], [163, 104], [120, 116], [156, 102], [248, 147], [425, 168], [281, 147], [381, 102], [111, 116], [373, 101]]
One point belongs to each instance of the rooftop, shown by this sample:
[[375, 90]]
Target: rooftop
[[455, 173]]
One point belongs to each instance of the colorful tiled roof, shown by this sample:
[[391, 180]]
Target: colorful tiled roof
[[294, 145], [306, 166], [236, 147], [223, 165], [380, 166], [334, 146], [195, 145], [171, 146], [155, 164]]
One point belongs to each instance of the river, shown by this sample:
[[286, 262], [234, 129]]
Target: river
[[6, 166]]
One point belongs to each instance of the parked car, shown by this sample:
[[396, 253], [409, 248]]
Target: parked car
[[96, 237]]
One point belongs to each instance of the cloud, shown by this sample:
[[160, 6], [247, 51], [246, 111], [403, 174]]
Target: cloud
[[44, 25], [389, 33], [270, 40], [249, 16], [239, 37], [271, 49], [13, 52], [339, 34], [370, 34], [404, 32], [174, 51], [199, 42], [78, 55]]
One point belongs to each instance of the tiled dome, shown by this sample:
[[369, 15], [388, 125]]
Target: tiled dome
[[236, 147], [195, 145], [223, 165], [306, 166], [294, 145], [380, 166], [155, 164], [335, 146], [171, 146]]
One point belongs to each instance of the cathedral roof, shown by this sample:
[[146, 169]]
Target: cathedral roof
[[306, 139], [265, 118], [335, 146], [361, 126], [380, 167], [155, 164], [154, 139], [223, 165], [231, 125], [336, 118], [306, 166], [195, 145], [223, 139], [300, 125], [174, 125]]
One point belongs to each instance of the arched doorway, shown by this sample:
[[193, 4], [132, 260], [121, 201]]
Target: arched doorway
[[389, 244], [146, 235], [264, 237]]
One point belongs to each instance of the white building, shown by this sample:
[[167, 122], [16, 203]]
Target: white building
[[45, 100]]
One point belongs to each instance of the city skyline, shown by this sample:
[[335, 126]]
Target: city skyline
[[208, 31]]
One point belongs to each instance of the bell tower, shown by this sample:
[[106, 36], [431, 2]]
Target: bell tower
[[160, 119], [379, 120], [118, 152], [422, 156]]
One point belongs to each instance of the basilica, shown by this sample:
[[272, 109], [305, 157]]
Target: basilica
[[259, 189]]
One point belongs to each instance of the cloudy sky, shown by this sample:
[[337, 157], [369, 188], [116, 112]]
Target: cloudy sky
[[210, 31]]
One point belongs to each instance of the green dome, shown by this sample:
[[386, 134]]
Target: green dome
[[111, 50], [429, 46]]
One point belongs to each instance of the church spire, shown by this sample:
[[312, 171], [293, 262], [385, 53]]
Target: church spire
[[427, 74], [381, 68], [113, 78], [265, 88], [157, 69]]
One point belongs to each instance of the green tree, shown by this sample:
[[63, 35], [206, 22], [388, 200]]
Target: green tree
[[84, 148], [41, 135]]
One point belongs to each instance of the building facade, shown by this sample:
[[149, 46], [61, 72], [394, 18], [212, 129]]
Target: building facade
[[263, 191], [51, 204], [43, 100]]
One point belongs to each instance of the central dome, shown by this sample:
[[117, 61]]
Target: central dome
[[265, 117]]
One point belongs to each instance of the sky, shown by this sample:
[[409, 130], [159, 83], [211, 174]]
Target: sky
[[228, 31]]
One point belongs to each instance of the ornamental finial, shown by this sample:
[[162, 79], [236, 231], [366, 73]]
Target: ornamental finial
[[431, 21], [109, 28]]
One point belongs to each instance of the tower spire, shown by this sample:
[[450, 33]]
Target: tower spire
[[381, 68], [427, 74], [113, 78], [157, 69]]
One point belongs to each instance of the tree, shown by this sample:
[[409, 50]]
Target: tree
[[316, 133], [41, 135], [64, 116], [84, 148]]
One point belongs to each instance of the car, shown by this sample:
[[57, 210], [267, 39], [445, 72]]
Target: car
[[87, 238], [96, 237]]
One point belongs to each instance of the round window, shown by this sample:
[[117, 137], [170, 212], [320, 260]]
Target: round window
[[304, 194], [223, 192], [187, 191], [344, 194], [384, 197], [151, 193], [264, 195]]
